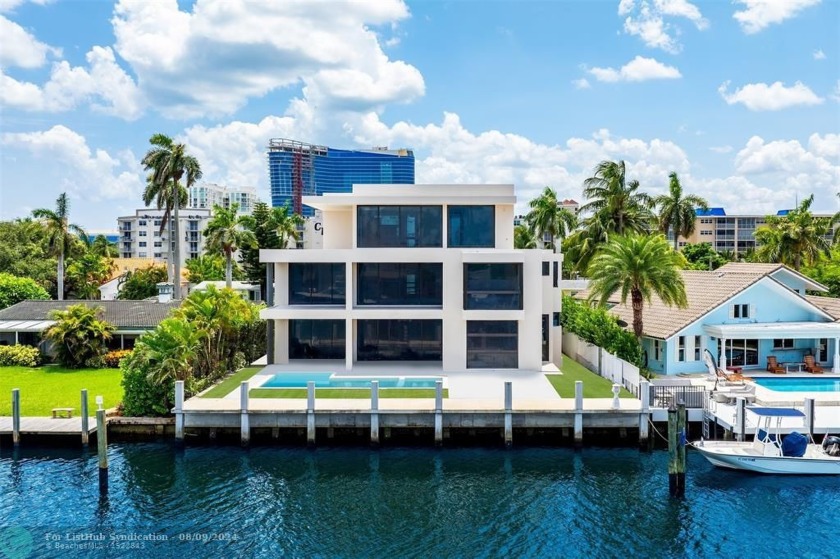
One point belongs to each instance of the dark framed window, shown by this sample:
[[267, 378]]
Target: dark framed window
[[400, 284], [556, 319], [492, 286], [556, 279], [317, 283], [400, 340], [492, 344], [471, 226], [399, 226], [317, 339], [546, 268]]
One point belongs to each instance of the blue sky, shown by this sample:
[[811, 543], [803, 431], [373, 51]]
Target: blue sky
[[742, 99]]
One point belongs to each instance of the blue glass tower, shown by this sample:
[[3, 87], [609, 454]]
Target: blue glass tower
[[298, 169]]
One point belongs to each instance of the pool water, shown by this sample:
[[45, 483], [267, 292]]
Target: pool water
[[331, 380], [800, 384]]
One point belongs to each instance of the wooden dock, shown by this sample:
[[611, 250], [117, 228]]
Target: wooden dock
[[47, 426]]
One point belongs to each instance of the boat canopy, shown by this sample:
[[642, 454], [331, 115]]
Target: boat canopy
[[777, 412]]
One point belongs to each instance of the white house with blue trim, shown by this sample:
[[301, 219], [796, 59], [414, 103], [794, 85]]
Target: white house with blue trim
[[742, 314]]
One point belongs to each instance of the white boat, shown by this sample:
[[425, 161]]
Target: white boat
[[768, 453]]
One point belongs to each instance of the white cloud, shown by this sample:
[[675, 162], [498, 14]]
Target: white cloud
[[581, 83], [212, 59], [649, 23], [637, 70], [21, 48], [773, 97], [93, 174], [835, 94], [721, 149], [9, 5], [758, 14], [818, 54]]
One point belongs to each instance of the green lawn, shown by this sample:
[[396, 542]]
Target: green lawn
[[353, 393], [51, 386], [594, 386], [227, 385]]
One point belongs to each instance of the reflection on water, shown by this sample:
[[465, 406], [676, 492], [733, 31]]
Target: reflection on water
[[271, 502]]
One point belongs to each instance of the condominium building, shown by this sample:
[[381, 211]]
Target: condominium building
[[424, 274], [140, 235], [207, 195], [297, 169]]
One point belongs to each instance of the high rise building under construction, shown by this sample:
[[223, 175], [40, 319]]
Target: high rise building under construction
[[298, 169]]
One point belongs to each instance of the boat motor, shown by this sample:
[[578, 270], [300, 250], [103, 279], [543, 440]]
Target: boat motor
[[831, 445]]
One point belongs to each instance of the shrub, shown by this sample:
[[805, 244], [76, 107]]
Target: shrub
[[19, 356], [597, 326], [112, 358], [14, 290], [79, 336], [143, 397]]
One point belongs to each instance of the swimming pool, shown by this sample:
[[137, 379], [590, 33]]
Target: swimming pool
[[800, 384], [331, 380]]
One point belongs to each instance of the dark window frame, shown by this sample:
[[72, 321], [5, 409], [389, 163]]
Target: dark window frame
[[491, 295], [546, 268], [426, 275], [336, 270], [486, 355], [465, 240], [302, 346], [415, 344], [427, 226]]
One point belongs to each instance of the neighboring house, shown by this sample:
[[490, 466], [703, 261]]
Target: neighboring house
[[425, 274], [24, 322], [249, 291], [109, 290], [741, 314]]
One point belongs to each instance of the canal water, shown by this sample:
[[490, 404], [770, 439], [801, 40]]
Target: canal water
[[278, 502]]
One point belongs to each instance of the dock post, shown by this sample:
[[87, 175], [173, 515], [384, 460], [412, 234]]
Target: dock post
[[310, 414], [179, 410], [244, 423], [438, 412], [578, 413], [809, 416], [644, 416], [740, 419], [374, 413], [102, 445], [84, 413], [16, 417], [508, 414], [676, 450]]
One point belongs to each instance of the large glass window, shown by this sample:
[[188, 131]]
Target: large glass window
[[316, 284], [742, 353], [399, 226], [400, 340], [316, 339], [492, 286], [400, 284], [472, 226], [492, 344]]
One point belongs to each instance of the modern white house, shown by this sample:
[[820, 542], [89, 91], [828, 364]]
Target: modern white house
[[416, 273]]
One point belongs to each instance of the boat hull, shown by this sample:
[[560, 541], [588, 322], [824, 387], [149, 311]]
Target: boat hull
[[732, 456]]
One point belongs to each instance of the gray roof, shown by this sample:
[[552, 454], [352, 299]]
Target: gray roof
[[122, 314]]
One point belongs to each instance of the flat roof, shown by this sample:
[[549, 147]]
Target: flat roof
[[415, 194], [766, 330]]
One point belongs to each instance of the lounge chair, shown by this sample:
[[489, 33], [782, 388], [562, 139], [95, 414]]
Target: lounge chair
[[812, 366], [774, 367]]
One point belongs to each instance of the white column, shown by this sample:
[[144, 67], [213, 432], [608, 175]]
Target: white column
[[722, 349], [836, 367]]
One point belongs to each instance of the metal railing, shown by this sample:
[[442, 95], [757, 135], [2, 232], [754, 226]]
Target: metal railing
[[662, 396]]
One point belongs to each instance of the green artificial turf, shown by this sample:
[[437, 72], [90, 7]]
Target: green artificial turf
[[231, 383], [594, 386]]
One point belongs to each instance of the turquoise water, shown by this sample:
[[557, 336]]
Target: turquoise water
[[355, 503], [800, 384], [330, 380]]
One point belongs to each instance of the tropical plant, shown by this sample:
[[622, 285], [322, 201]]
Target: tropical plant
[[524, 237], [796, 238], [141, 396], [547, 218], [88, 273], [79, 336], [142, 283], [638, 266], [171, 350], [169, 163], [286, 224], [677, 210], [209, 268], [112, 358], [225, 234], [702, 256], [101, 246], [24, 252], [266, 235], [14, 290], [596, 326], [61, 233], [617, 205], [19, 356]]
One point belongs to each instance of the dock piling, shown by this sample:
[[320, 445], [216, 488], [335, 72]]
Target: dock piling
[[676, 449], [740, 419], [438, 412], [245, 425], [102, 445], [179, 410], [310, 414], [16, 417], [84, 414], [809, 415], [644, 417], [508, 414], [374, 413], [578, 414]]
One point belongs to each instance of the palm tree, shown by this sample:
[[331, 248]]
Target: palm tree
[[286, 224], [171, 350], [101, 246], [617, 203], [524, 237], [169, 163], [61, 233], [79, 336], [205, 268], [548, 218], [89, 272], [162, 196], [677, 212], [639, 266], [796, 238], [225, 234]]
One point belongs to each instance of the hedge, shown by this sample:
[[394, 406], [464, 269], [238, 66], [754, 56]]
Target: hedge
[[596, 326], [19, 356]]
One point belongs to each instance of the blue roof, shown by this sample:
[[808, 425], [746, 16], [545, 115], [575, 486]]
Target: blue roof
[[710, 212], [777, 412], [783, 212]]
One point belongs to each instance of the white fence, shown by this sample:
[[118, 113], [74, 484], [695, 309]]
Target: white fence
[[600, 361]]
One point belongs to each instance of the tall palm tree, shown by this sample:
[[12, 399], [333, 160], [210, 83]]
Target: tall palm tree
[[677, 211], [101, 246], [61, 233], [169, 163], [639, 266], [547, 218], [286, 224], [226, 233], [618, 204], [524, 237], [162, 196], [796, 238]]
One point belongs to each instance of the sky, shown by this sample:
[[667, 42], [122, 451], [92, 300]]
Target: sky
[[741, 99]]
